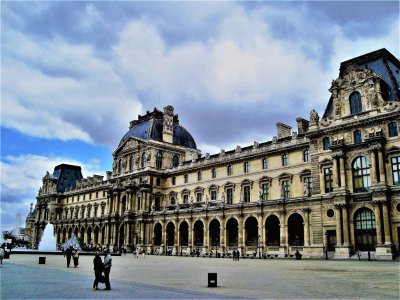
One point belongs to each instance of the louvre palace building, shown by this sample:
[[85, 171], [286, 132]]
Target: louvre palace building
[[330, 185]]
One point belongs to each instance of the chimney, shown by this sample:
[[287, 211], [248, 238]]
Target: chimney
[[302, 125], [168, 130], [283, 130]]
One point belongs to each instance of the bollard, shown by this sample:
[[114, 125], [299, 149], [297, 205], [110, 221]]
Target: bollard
[[42, 260], [212, 279]]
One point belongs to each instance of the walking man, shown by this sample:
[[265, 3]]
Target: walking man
[[107, 269], [234, 255], [237, 255], [68, 253]]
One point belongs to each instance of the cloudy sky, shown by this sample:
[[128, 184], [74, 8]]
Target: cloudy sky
[[75, 73]]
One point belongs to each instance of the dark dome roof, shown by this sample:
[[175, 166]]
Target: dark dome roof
[[152, 130]]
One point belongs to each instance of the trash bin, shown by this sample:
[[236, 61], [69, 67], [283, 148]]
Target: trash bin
[[212, 279], [42, 260]]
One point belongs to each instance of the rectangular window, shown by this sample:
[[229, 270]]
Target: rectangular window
[[186, 198], [396, 170], [173, 180], [393, 129], [97, 195], [306, 155], [357, 137], [213, 195], [213, 173], [104, 193], [264, 163], [229, 196], [246, 167], [172, 199], [285, 159], [286, 188], [199, 176], [307, 186], [265, 191], [229, 170], [326, 143], [186, 178], [158, 181], [328, 179], [246, 193], [199, 197]]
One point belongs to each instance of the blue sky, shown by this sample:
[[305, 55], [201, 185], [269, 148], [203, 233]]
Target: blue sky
[[75, 73]]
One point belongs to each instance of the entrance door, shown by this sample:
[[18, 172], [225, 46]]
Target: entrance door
[[331, 239]]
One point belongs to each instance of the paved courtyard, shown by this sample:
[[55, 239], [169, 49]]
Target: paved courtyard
[[186, 278]]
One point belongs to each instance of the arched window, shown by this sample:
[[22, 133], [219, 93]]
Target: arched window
[[175, 161], [144, 160], [326, 143], [159, 160], [120, 166], [355, 103], [131, 163], [361, 174]]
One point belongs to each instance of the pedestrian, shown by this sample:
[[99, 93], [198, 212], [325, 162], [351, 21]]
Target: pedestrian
[[76, 258], [68, 253], [234, 255], [107, 269], [237, 255], [98, 270]]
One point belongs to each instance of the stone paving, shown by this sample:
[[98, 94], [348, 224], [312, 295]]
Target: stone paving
[[160, 277]]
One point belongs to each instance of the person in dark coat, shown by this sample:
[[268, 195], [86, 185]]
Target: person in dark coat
[[237, 255], [68, 253], [98, 270], [234, 255]]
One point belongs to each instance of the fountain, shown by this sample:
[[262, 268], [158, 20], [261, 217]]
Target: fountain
[[48, 241]]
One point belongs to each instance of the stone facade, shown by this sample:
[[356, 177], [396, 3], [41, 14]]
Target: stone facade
[[331, 186]]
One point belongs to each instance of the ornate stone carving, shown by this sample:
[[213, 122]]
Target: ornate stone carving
[[314, 117]]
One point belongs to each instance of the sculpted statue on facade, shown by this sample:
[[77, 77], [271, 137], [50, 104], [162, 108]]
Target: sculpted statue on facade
[[314, 117]]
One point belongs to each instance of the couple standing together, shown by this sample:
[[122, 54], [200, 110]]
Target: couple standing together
[[99, 268]]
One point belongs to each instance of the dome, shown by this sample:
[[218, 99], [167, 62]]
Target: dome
[[152, 130]]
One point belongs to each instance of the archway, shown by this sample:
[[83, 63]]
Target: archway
[[89, 235], [296, 230], [215, 233], [64, 235], [158, 234], [198, 229], [251, 230], [170, 234], [121, 235], [232, 230], [69, 232], [103, 233], [82, 235], [184, 234], [272, 231], [76, 232], [96, 235], [365, 230]]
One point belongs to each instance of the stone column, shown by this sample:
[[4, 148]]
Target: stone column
[[374, 171], [386, 224], [343, 182], [190, 235], [240, 233], [261, 234], [335, 173], [206, 235], [346, 241], [127, 233], [283, 228], [338, 226], [141, 228], [381, 167], [222, 235], [306, 226], [378, 223]]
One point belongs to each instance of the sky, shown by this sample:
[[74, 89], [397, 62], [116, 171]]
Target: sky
[[74, 73]]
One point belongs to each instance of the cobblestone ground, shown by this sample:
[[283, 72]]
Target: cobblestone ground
[[186, 278]]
